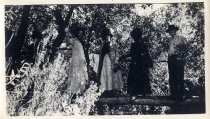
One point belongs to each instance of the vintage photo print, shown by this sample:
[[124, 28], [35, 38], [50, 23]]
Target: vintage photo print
[[105, 59]]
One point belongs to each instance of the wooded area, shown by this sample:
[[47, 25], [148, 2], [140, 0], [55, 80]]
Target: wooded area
[[37, 57]]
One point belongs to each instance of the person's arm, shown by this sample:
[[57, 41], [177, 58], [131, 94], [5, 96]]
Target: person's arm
[[184, 47], [181, 49]]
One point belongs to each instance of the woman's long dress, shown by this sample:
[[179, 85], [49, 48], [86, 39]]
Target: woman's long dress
[[106, 74], [105, 68], [109, 80], [138, 77], [78, 69]]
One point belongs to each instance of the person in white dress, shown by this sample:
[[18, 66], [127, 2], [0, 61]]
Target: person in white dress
[[105, 68], [109, 79], [78, 75]]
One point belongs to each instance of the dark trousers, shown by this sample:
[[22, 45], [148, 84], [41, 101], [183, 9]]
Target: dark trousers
[[176, 76]]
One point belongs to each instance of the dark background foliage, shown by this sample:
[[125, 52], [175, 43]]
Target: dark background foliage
[[35, 33]]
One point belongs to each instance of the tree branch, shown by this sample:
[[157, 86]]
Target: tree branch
[[59, 20], [9, 40]]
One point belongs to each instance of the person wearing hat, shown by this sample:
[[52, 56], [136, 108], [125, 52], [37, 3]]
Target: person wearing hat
[[176, 61]]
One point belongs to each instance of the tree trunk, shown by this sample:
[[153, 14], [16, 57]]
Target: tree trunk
[[87, 58], [61, 30], [15, 47], [150, 100]]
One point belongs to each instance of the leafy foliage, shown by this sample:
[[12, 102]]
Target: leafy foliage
[[49, 26]]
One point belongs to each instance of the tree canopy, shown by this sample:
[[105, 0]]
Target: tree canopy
[[36, 33]]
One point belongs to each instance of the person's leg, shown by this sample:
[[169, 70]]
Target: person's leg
[[172, 73], [180, 80]]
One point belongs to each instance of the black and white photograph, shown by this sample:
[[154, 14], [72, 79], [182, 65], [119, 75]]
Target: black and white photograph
[[105, 59]]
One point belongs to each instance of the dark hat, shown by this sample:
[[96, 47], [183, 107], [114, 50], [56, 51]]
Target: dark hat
[[172, 27]]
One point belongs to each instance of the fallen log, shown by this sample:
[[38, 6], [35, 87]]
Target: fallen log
[[150, 100]]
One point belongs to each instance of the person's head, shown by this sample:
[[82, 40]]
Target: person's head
[[106, 34], [136, 34], [172, 29], [80, 32], [77, 31]]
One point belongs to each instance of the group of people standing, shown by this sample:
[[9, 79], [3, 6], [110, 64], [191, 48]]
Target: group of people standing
[[109, 75]]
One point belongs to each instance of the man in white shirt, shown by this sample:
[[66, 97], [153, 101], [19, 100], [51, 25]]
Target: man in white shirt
[[176, 61]]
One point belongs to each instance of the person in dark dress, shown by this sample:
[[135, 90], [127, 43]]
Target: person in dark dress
[[138, 77]]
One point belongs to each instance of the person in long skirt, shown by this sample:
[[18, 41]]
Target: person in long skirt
[[138, 78], [105, 68], [78, 75]]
